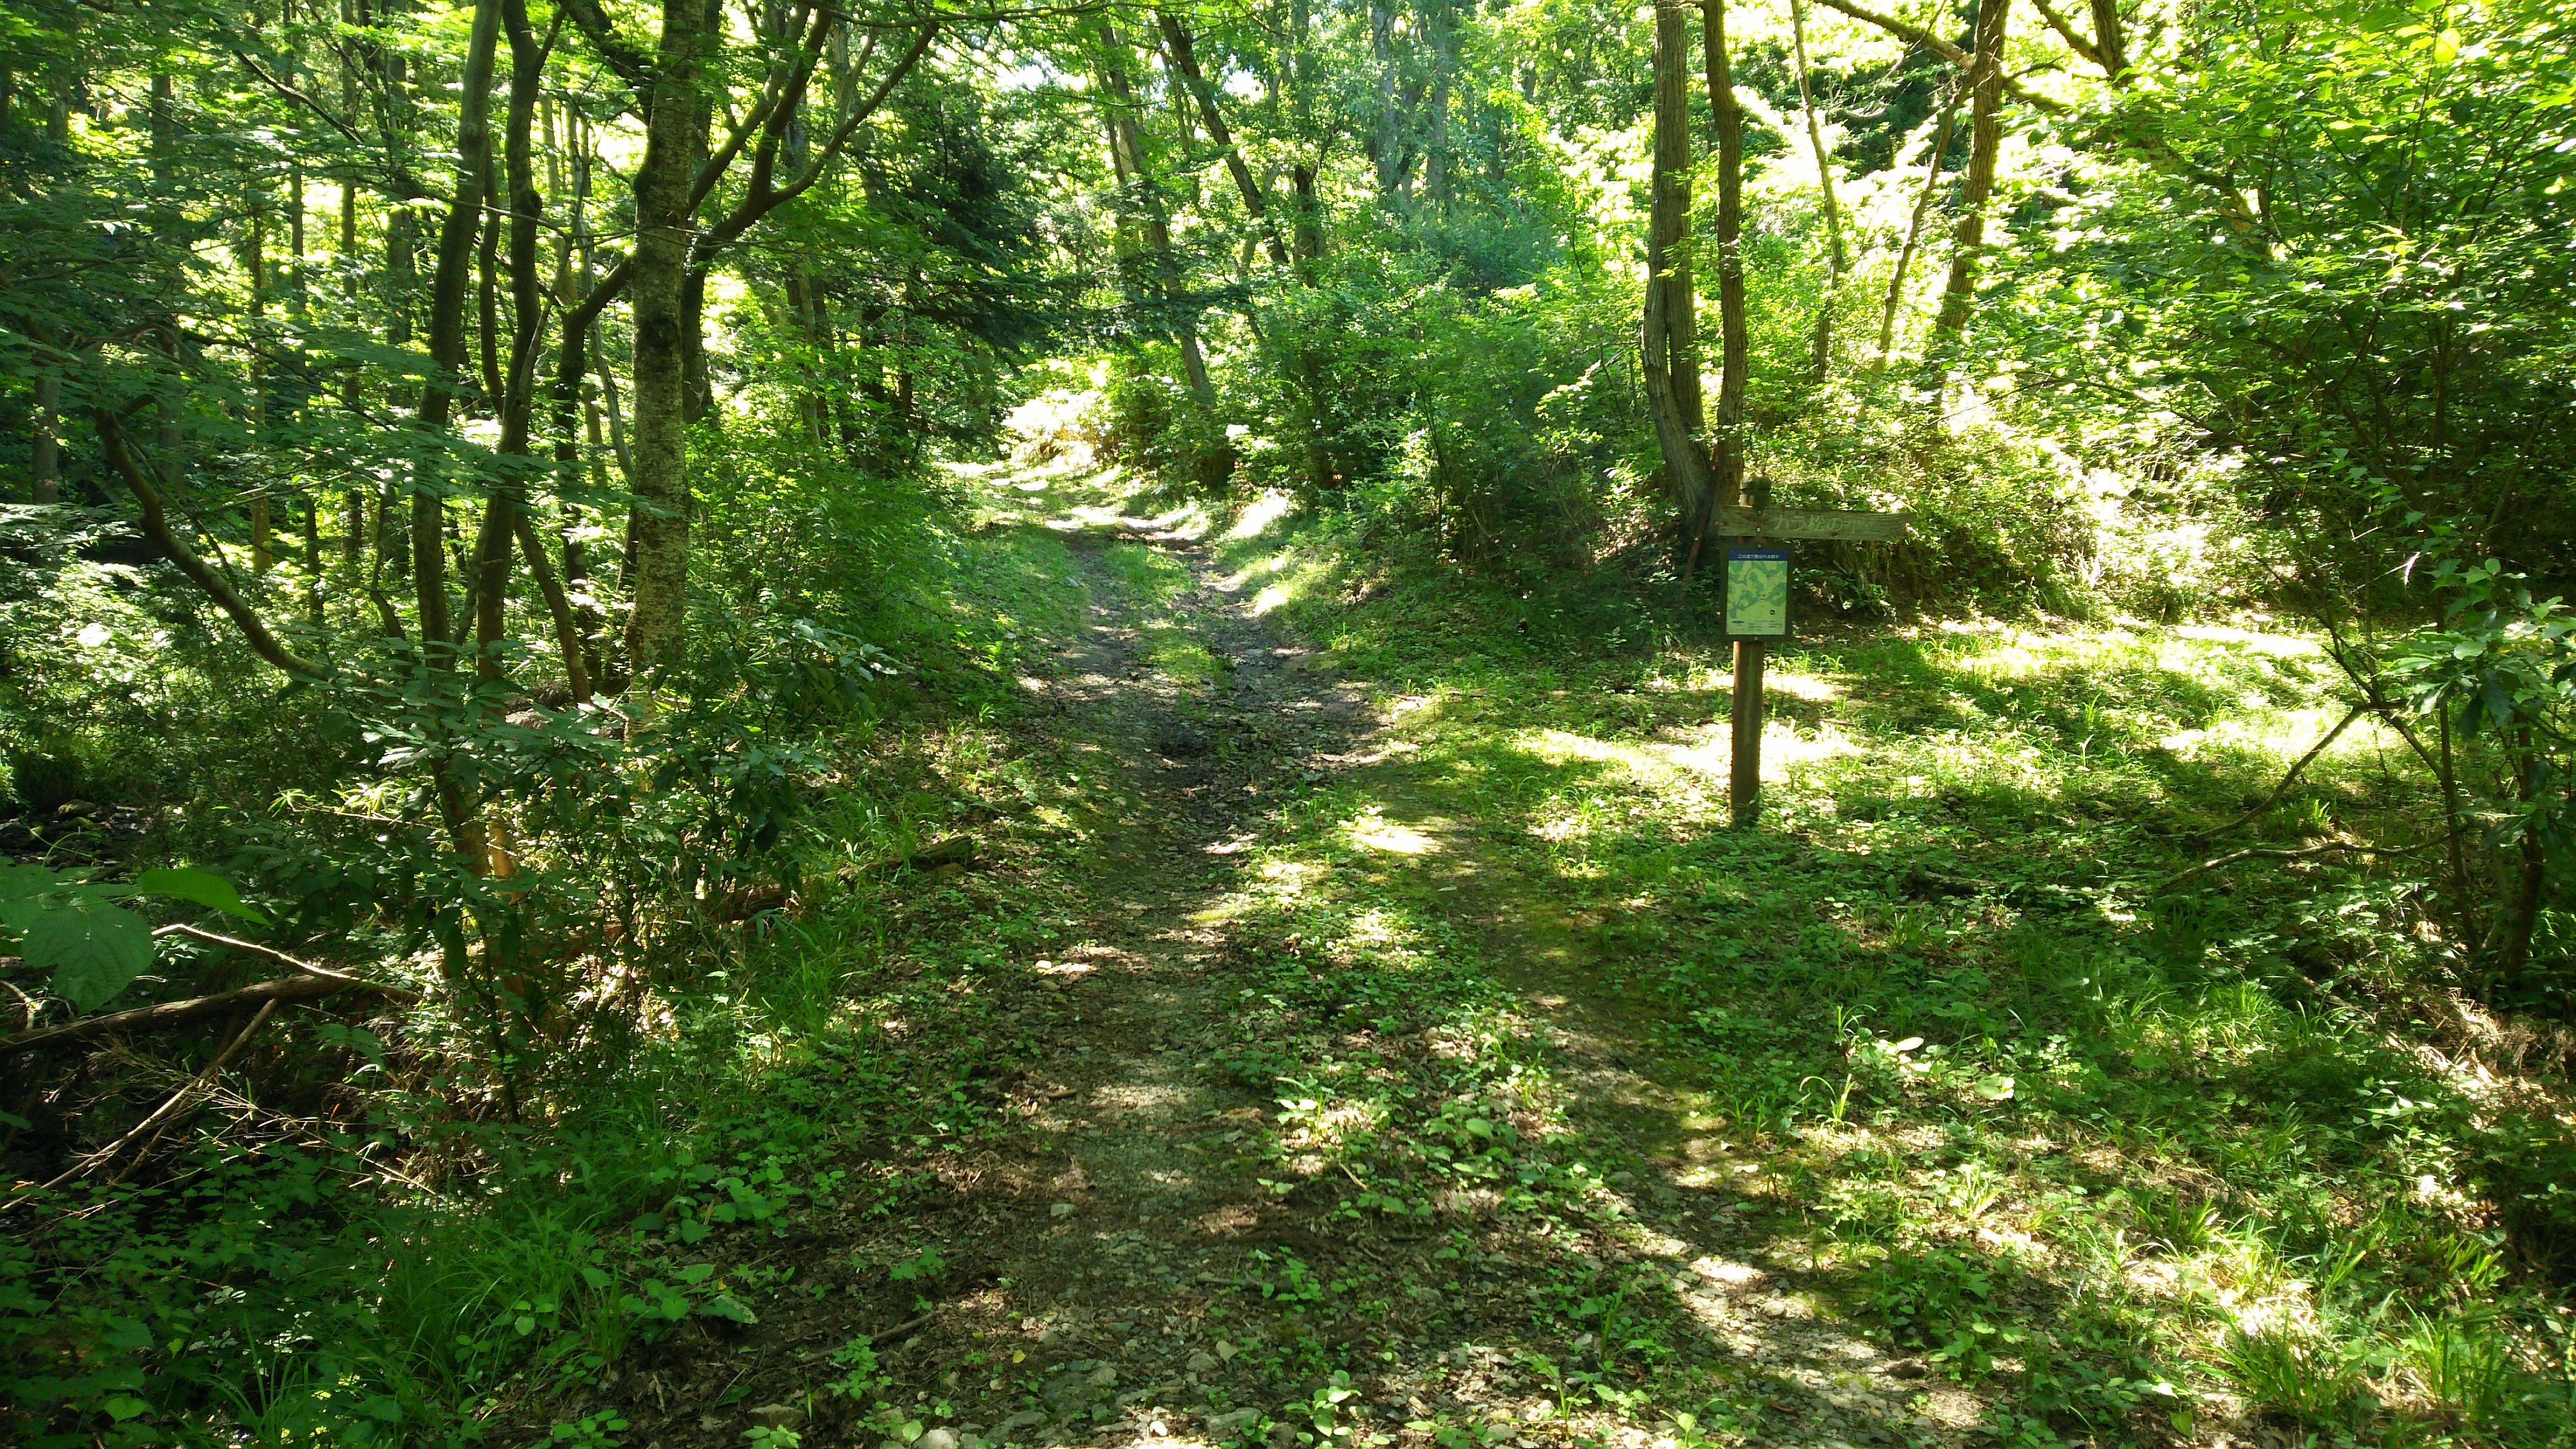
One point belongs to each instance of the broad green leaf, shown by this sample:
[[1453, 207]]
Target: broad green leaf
[[27, 882], [203, 887], [94, 952]]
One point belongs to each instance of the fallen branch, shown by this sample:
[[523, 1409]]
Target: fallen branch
[[172, 1013], [2287, 780], [272, 953], [170, 1108], [2266, 852]]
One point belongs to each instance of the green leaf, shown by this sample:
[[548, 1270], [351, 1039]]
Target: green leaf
[[27, 882], [203, 887], [94, 952], [725, 1305], [121, 1407]]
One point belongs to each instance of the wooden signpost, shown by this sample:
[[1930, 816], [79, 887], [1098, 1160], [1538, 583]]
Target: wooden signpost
[[1757, 611]]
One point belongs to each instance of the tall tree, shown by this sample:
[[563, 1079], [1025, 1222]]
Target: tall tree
[[1734, 345], [1668, 340], [1838, 258], [1977, 187]]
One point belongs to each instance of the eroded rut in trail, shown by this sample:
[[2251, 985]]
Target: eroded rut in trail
[[1096, 1255]]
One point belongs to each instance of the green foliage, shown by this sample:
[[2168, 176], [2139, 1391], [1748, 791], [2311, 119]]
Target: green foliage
[[95, 948]]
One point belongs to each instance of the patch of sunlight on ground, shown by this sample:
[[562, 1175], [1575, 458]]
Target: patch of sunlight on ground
[[1064, 968], [1289, 877], [1373, 831], [1264, 511], [2285, 735], [1803, 686], [2286, 645], [1784, 748]]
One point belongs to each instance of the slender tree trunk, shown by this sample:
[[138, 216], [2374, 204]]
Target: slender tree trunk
[[658, 585], [1727, 486], [1184, 57], [44, 445], [1914, 225], [2108, 43], [1839, 258], [254, 258], [170, 438], [1668, 340], [352, 388], [447, 345], [487, 299], [504, 513], [1384, 140], [1985, 139], [1441, 26], [1127, 159], [2521, 921]]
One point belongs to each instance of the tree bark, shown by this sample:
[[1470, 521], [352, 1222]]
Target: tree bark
[[657, 627], [1184, 57], [1914, 225], [1162, 264], [1840, 259], [1668, 341], [1441, 27], [447, 345], [1985, 139], [1384, 139], [504, 512], [1727, 484]]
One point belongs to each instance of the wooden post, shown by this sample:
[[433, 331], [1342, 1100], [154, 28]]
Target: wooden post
[[1757, 610], [1744, 747]]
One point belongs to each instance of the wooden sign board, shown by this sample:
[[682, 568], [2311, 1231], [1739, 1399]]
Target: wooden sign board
[[1846, 525]]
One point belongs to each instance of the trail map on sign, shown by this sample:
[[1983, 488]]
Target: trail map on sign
[[1757, 591]]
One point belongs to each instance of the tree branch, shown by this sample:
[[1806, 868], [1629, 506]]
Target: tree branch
[[1913, 34], [632, 65], [2287, 780], [156, 523], [170, 1108], [2266, 852], [2066, 31], [299, 987]]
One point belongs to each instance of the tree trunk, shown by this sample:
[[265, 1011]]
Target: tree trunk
[[447, 345], [1184, 56], [1441, 25], [1384, 140], [44, 446], [170, 439], [2108, 44], [503, 512], [1839, 258], [1985, 139], [1914, 225], [1727, 486], [254, 259], [657, 626], [1161, 263], [1668, 340]]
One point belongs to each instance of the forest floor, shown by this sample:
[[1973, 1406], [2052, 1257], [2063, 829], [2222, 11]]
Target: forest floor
[[1350, 1031]]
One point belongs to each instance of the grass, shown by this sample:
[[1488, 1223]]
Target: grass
[[2123, 1164], [1926, 1064], [423, 1279]]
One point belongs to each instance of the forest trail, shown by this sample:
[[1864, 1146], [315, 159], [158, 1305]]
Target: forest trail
[[1160, 1250]]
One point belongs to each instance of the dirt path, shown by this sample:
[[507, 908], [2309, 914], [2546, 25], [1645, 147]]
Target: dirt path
[[1145, 1256]]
